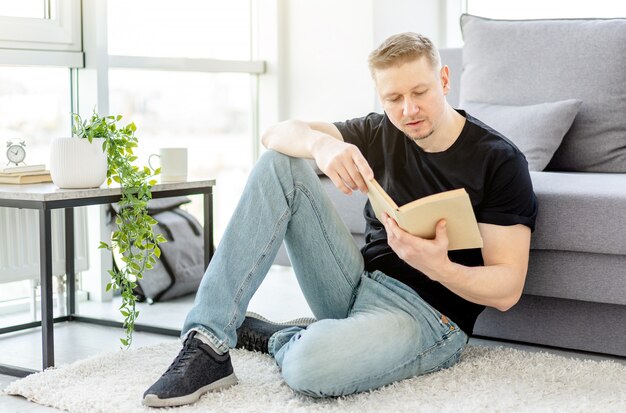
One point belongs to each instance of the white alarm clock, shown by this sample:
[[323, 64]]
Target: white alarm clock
[[16, 152]]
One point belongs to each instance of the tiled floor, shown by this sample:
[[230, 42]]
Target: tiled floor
[[279, 298]]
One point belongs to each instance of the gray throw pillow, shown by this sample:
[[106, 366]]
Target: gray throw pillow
[[537, 130], [524, 62]]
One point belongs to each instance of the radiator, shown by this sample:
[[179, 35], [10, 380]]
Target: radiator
[[19, 243]]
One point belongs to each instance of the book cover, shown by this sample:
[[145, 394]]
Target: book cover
[[45, 171], [420, 217], [22, 168], [26, 178]]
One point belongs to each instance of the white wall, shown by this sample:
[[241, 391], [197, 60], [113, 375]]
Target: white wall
[[325, 56], [397, 16], [323, 47]]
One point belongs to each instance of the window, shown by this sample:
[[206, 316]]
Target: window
[[186, 77], [39, 41], [34, 9], [43, 25], [183, 72], [193, 28], [209, 113], [35, 107]]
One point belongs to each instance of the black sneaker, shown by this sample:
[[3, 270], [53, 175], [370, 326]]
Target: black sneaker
[[196, 370], [256, 330]]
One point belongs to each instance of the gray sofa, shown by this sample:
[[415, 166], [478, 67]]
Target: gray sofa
[[575, 293]]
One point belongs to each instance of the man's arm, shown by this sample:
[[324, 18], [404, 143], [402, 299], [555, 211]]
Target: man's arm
[[297, 138], [499, 283], [342, 162]]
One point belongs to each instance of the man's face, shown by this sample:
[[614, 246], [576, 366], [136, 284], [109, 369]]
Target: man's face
[[413, 96]]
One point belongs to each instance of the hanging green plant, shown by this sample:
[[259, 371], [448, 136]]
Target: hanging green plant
[[133, 238]]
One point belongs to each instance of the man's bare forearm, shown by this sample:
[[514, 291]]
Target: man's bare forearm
[[298, 138], [342, 162], [497, 286]]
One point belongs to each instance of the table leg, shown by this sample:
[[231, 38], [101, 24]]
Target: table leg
[[70, 271], [209, 247], [45, 269]]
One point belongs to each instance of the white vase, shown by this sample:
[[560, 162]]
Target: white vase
[[76, 163]]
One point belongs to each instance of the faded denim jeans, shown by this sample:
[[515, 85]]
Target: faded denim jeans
[[372, 330]]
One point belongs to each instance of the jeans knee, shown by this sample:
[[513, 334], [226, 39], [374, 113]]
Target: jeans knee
[[274, 160], [301, 377], [284, 163], [310, 368], [273, 155], [272, 168]]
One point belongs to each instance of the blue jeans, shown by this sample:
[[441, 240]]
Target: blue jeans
[[372, 330]]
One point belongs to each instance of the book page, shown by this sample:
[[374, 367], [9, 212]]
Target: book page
[[381, 202], [461, 224], [420, 217]]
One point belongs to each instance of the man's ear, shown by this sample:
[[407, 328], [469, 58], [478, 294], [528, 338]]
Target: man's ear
[[444, 75]]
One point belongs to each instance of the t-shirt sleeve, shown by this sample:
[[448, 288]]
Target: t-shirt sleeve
[[509, 198], [359, 131]]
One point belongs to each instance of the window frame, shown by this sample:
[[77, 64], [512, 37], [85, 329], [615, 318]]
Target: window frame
[[51, 42], [187, 64]]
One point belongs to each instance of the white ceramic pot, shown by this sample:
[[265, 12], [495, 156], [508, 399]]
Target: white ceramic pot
[[76, 163]]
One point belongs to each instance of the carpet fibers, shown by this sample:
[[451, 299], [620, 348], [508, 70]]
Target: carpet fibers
[[486, 380]]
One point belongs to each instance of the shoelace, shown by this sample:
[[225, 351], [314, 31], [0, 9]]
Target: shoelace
[[189, 349]]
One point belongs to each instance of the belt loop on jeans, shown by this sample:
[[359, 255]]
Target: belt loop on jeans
[[445, 320]]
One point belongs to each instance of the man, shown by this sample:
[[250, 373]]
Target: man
[[402, 306]]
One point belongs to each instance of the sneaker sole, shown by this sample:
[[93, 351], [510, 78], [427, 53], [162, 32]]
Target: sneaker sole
[[152, 400], [299, 322]]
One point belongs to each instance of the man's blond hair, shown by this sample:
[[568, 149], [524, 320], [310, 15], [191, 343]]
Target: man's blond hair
[[401, 48]]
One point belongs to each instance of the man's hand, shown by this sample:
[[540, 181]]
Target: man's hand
[[498, 284], [425, 255], [343, 163]]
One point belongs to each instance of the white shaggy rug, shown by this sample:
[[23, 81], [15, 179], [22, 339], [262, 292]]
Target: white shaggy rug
[[486, 380]]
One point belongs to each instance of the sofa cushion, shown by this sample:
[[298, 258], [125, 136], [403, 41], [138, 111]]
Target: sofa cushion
[[537, 130], [557, 322], [577, 276], [581, 212], [526, 62]]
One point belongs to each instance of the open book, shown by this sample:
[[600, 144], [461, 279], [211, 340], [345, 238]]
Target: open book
[[421, 216]]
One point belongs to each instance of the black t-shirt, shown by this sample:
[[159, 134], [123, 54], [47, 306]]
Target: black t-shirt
[[491, 169]]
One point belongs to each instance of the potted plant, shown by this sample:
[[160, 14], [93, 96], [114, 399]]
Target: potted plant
[[133, 238], [77, 163]]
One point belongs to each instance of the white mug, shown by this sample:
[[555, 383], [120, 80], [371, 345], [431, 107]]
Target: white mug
[[173, 163]]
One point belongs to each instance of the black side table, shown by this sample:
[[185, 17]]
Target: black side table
[[46, 197]]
